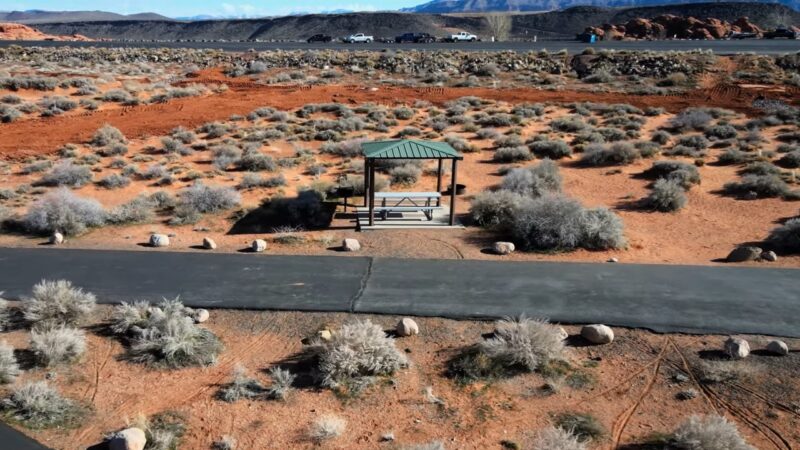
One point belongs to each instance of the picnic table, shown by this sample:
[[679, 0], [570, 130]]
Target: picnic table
[[425, 202]]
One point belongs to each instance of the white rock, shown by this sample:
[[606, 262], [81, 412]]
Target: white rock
[[128, 439], [563, 333], [259, 245], [613, 260], [351, 245], [325, 335], [209, 244], [769, 256], [57, 238], [159, 240], [407, 327], [778, 347], [503, 248], [201, 315], [598, 334], [737, 348]]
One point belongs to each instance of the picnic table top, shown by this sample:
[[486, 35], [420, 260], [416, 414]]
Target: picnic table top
[[407, 195]]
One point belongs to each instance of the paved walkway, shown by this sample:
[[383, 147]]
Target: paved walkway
[[664, 298]]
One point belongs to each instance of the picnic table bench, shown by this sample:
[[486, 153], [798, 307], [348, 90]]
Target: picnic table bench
[[425, 202]]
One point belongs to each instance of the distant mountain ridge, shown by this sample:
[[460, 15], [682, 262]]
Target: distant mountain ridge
[[471, 6], [38, 16]]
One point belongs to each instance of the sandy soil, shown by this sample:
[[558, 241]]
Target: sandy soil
[[631, 390]]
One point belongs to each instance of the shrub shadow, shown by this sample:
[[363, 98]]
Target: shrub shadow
[[306, 211]]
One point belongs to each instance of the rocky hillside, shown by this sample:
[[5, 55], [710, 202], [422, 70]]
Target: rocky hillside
[[565, 23], [37, 16], [19, 32], [464, 6]]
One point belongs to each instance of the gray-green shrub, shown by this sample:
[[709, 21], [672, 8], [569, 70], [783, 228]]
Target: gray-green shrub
[[57, 345], [56, 303], [667, 195], [9, 368], [37, 405], [534, 181], [711, 432], [786, 238], [63, 211]]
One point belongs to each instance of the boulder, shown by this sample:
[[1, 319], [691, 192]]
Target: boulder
[[744, 253], [351, 245], [159, 240], [778, 347], [259, 245], [744, 25], [737, 348], [562, 333], [769, 256], [407, 327], [57, 238], [128, 439], [503, 248], [598, 334], [201, 315], [209, 244]]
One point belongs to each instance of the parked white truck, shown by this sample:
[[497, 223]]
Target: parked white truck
[[462, 36], [359, 38]]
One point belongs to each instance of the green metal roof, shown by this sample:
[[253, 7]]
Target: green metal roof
[[409, 149]]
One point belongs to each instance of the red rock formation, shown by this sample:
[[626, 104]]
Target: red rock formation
[[669, 26], [19, 32]]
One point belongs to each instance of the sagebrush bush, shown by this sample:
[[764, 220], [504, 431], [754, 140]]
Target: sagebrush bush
[[67, 174], [790, 160], [356, 353], [9, 368], [524, 343], [534, 181], [691, 119], [570, 124], [495, 209], [618, 153], [685, 174], [208, 199], [281, 386], [553, 438], [733, 156], [602, 229], [56, 303], [165, 335], [326, 428], [253, 160], [38, 405], [139, 210], [667, 195], [107, 135], [5, 313], [786, 237], [406, 174], [584, 427], [114, 181], [240, 387], [512, 154], [758, 186], [711, 432], [550, 149], [57, 345]]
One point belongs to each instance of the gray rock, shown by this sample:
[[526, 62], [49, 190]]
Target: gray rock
[[778, 347], [201, 315], [503, 248], [407, 327], [387, 437], [737, 348], [259, 245], [209, 244], [57, 238], [351, 245], [159, 240], [128, 439], [598, 334], [769, 256], [744, 253]]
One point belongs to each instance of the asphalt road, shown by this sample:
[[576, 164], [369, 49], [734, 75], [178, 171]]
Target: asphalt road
[[760, 46], [697, 299], [12, 439]]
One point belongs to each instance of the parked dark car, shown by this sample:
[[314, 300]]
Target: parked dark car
[[742, 35], [319, 38], [778, 33], [415, 38]]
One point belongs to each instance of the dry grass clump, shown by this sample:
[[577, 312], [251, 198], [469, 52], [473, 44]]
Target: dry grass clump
[[56, 303], [67, 174], [241, 387], [555, 438], [9, 368], [618, 153], [64, 211], [711, 432], [164, 335], [37, 405], [58, 345], [356, 354], [326, 428], [584, 427], [106, 136]]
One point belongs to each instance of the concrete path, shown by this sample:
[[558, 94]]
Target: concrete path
[[698, 299]]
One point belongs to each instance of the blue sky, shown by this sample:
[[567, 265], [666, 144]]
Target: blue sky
[[176, 8]]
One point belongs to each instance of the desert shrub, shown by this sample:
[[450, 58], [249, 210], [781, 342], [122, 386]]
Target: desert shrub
[[583, 426], [183, 135], [790, 160], [226, 156], [409, 131], [355, 355], [346, 149], [118, 96], [611, 134], [758, 186], [403, 113], [240, 387], [435, 445], [619, 153], [57, 345], [52, 106], [36, 167], [694, 141], [660, 137], [786, 237], [63, 211], [554, 222], [511, 140], [57, 303], [9, 114], [138, 210], [761, 168], [550, 149], [214, 130], [107, 135], [114, 149], [326, 428], [601, 76], [460, 144], [647, 149], [405, 174], [254, 161], [721, 132], [534, 181], [733, 156], [685, 174], [37, 405], [667, 195], [208, 199], [683, 150], [569, 124], [554, 438], [711, 432], [67, 174], [9, 368], [691, 119], [114, 181], [165, 335], [281, 386], [512, 154], [254, 180], [495, 209], [164, 430]]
